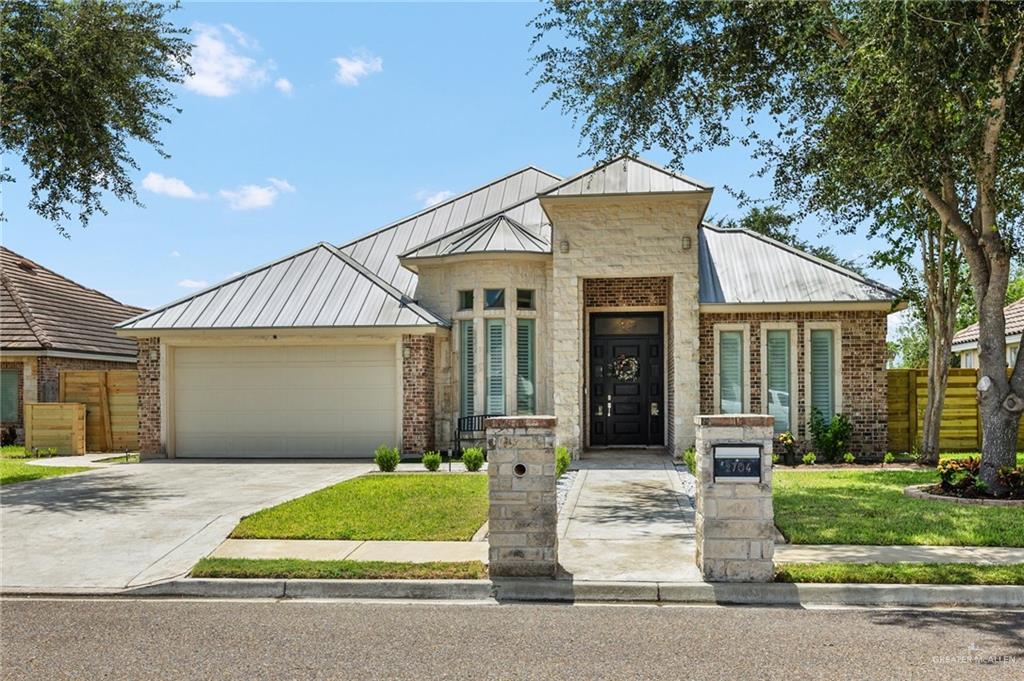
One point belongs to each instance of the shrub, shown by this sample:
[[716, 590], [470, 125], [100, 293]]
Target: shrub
[[849, 457], [959, 477], [787, 443], [775, 458], [810, 458], [473, 459], [690, 457], [386, 458], [431, 461], [1013, 479], [9, 436], [561, 461], [830, 437], [888, 458]]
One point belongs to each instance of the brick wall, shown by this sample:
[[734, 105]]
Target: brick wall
[[626, 292], [417, 393], [19, 422], [864, 381], [149, 398], [50, 368]]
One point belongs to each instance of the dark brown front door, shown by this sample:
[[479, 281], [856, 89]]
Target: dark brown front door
[[626, 361]]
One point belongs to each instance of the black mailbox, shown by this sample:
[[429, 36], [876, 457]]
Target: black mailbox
[[737, 463]]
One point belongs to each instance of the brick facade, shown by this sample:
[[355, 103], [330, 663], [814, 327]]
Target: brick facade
[[864, 381], [149, 398], [50, 368], [626, 292], [417, 393]]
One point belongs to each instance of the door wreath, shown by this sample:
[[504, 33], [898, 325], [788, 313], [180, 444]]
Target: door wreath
[[625, 368]]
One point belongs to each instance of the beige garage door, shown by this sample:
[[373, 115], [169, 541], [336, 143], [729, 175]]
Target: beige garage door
[[332, 401]]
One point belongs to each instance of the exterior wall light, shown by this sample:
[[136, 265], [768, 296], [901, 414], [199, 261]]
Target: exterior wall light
[[563, 246], [687, 243]]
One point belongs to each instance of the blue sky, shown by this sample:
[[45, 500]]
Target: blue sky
[[316, 122]]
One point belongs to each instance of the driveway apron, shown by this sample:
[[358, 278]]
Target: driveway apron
[[627, 519]]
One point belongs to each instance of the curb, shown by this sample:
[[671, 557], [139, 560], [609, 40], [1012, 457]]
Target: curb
[[565, 591]]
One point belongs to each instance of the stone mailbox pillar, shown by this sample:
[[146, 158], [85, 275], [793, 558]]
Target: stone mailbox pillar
[[735, 519], [523, 516]]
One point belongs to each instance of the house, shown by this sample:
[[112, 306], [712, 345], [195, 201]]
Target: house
[[602, 299], [965, 341], [50, 324]]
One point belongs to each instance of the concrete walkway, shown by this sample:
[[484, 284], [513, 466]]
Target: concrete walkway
[[318, 549], [627, 519], [91, 460], [851, 553]]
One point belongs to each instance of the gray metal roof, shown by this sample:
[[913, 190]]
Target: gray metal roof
[[741, 266], [625, 175], [317, 287], [499, 234]]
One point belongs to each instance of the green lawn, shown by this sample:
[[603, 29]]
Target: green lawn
[[12, 452], [289, 568], [964, 455], [900, 573], [384, 507], [868, 507], [12, 471]]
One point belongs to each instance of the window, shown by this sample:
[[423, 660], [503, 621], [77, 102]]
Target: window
[[9, 396], [730, 372], [466, 368], [494, 299], [524, 299], [778, 366], [526, 399], [465, 300], [823, 372], [495, 391]]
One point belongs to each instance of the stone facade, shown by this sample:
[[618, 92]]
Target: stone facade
[[417, 393], [735, 521], [523, 514], [864, 382], [624, 237], [149, 398]]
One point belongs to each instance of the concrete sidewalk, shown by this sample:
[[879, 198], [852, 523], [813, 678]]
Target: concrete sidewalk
[[325, 549], [852, 553]]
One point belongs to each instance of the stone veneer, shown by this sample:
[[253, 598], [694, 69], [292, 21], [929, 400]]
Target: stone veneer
[[864, 380], [417, 393], [149, 398], [624, 237]]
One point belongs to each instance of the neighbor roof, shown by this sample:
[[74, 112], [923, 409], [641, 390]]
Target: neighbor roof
[[1014, 313], [42, 311], [317, 287], [741, 266]]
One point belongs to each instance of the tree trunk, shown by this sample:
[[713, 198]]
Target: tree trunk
[[938, 377]]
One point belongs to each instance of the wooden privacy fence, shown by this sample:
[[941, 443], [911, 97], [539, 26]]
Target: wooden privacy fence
[[960, 429], [111, 407], [55, 425]]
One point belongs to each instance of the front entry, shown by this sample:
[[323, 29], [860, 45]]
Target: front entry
[[626, 379]]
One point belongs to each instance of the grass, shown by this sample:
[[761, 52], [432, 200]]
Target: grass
[[964, 455], [290, 568], [868, 507], [13, 452], [12, 471], [378, 507], [900, 573]]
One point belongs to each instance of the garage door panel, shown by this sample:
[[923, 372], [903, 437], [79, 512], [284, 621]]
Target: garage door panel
[[329, 401]]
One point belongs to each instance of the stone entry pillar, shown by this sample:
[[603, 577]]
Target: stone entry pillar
[[735, 518], [523, 516]]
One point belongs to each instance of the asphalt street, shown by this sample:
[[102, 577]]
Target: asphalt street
[[164, 639]]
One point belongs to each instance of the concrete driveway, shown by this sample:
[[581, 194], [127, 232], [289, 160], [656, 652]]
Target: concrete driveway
[[134, 524]]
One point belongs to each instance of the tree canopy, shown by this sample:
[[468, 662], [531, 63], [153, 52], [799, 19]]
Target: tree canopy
[[79, 81]]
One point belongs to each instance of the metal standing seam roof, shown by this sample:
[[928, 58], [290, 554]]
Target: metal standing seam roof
[[741, 266], [499, 234], [316, 287], [1014, 313], [626, 175]]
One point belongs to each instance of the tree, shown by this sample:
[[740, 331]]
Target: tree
[[78, 82], [853, 108]]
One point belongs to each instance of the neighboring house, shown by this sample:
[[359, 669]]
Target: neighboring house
[[965, 341], [601, 299], [49, 324]]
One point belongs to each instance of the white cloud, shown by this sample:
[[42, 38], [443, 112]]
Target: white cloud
[[431, 198], [255, 196], [358, 66], [220, 67], [193, 283], [170, 186], [284, 86], [175, 254]]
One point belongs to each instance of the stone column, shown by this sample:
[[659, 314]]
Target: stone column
[[735, 518], [523, 516]]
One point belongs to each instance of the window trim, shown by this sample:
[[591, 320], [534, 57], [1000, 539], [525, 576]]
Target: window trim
[[745, 329], [794, 384], [837, 361]]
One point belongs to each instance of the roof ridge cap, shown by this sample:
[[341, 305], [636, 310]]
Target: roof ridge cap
[[26, 313]]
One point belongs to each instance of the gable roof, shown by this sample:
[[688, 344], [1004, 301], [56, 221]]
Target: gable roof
[[1014, 313], [316, 287], [498, 234], [41, 310], [742, 266], [626, 175]]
